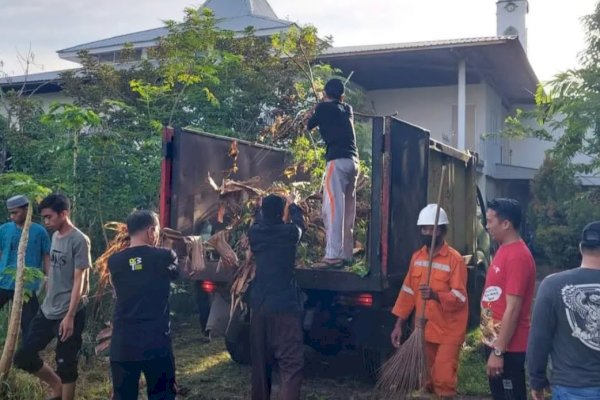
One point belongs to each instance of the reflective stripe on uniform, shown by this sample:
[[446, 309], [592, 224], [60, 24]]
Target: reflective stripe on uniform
[[458, 295], [435, 265], [408, 290]]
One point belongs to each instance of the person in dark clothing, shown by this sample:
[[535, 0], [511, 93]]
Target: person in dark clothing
[[566, 328], [141, 276], [335, 120], [275, 324]]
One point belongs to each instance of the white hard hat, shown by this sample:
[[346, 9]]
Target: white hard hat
[[427, 216]]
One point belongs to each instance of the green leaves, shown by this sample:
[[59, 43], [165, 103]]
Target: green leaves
[[71, 117], [13, 183]]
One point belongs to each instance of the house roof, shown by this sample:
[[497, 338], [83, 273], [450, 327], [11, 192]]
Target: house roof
[[231, 15], [237, 8], [42, 82], [499, 61]]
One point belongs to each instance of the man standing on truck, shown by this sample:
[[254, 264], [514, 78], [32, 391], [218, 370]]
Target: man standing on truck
[[276, 335], [506, 302], [335, 120], [37, 255], [446, 309], [141, 342]]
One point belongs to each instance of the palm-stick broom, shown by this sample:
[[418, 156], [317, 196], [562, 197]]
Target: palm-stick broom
[[406, 371]]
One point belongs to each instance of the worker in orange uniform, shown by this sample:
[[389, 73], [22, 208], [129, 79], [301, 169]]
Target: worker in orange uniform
[[446, 309]]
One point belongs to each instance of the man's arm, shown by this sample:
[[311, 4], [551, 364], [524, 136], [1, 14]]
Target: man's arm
[[404, 306], [172, 265], [46, 264], [83, 262], [510, 320], [456, 298], [313, 121], [297, 217], [543, 326], [67, 325], [46, 244]]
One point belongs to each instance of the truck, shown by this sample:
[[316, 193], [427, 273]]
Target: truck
[[343, 311]]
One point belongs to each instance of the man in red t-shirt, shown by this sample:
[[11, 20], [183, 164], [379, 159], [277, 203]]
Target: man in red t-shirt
[[506, 302]]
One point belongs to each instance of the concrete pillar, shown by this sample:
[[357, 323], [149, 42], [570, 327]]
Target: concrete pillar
[[462, 105]]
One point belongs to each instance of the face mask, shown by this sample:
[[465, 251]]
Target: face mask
[[427, 239]]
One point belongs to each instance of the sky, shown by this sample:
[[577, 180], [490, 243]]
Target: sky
[[555, 32]]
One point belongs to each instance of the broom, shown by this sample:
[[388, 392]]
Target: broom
[[406, 371]]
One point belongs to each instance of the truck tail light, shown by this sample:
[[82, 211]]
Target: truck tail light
[[359, 300], [208, 286]]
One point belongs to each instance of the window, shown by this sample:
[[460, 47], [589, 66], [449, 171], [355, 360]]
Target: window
[[104, 58]]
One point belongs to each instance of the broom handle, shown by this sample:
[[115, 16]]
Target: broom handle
[[435, 228]]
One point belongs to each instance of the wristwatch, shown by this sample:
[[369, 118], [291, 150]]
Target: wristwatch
[[498, 352]]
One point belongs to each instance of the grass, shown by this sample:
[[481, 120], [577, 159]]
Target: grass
[[206, 372], [472, 378]]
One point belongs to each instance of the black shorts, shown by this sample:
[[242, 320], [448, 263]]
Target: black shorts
[[159, 374], [30, 308], [41, 332]]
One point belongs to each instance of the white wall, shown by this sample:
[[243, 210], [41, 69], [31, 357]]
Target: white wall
[[47, 99], [431, 108]]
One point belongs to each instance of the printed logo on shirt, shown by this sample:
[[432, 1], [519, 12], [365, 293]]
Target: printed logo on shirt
[[490, 328], [583, 312], [136, 263], [496, 269], [492, 294], [58, 259]]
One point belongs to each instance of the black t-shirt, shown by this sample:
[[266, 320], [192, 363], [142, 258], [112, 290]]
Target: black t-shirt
[[141, 277], [336, 125], [566, 329]]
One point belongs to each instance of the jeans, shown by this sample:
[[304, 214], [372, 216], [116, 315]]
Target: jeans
[[575, 393]]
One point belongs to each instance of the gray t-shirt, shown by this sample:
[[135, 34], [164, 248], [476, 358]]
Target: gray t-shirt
[[67, 253], [566, 328]]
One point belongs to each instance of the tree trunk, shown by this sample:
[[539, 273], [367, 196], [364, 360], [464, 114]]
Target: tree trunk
[[17, 305]]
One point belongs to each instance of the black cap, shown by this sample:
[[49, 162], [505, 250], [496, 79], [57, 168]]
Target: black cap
[[590, 237], [272, 207], [334, 88]]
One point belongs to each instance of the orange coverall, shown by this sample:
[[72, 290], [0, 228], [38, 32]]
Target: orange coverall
[[446, 319]]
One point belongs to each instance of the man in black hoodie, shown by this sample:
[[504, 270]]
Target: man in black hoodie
[[335, 120], [275, 328]]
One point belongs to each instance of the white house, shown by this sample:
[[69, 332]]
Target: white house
[[460, 90]]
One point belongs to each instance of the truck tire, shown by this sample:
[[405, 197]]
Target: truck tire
[[238, 347]]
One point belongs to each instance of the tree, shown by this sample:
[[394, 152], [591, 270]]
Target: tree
[[567, 113], [567, 109]]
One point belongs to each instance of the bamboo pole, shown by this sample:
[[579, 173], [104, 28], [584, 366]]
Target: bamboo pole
[[17, 304]]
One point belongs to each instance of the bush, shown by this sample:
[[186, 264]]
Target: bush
[[559, 245], [561, 207]]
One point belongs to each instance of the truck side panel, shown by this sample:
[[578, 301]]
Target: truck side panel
[[198, 154], [459, 196], [408, 168]]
